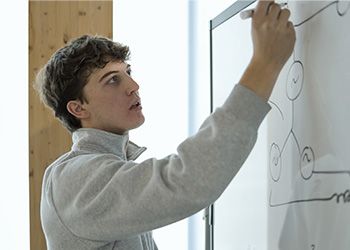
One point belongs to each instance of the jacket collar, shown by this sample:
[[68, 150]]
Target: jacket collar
[[100, 141]]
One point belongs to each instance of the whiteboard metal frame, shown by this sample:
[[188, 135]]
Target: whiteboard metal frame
[[225, 15]]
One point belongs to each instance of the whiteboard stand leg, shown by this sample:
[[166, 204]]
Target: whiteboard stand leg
[[209, 227]]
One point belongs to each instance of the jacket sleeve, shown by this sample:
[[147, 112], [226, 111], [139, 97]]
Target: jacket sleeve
[[113, 199]]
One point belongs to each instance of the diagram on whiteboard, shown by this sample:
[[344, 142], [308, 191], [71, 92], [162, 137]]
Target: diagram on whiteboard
[[300, 113]]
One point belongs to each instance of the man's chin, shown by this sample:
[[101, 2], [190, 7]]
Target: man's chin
[[139, 124]]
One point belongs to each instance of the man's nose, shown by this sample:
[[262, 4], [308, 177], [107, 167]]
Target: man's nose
[[132, 87]]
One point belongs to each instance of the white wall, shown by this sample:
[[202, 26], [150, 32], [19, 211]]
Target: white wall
[[156, 32], [14, 183]]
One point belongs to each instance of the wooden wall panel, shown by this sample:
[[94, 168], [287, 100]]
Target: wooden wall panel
[[51, 25]]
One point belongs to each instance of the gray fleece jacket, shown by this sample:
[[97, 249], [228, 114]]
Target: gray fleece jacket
[[97, 197]]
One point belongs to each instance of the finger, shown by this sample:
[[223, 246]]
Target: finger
[[290, 25], [274, 11], [284, 16], [291, 28], [262, 8]]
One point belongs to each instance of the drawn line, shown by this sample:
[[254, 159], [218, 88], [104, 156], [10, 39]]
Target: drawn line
[[296, 141], [318, 12], [277, 108], [332, 172], [285, 142], [345, 195], [307, 158], [292, 113], [344, 13]]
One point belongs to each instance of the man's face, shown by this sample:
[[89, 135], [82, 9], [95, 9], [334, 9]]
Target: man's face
[[113, 102]]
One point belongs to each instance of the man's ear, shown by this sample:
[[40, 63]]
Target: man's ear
[[75, 107]]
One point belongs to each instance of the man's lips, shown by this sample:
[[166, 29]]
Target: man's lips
[[136, 105]]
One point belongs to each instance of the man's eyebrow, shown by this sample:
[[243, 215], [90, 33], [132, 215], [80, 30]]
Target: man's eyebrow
[[128, 67], [107, 74]]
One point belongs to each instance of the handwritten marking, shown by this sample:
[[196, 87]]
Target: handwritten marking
[[345, 195]]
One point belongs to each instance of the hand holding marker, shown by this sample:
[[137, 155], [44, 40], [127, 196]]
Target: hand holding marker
[[249, 13], [273, 38]]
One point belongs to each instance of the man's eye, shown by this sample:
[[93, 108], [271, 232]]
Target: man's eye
[[113, 79], [129, 72]]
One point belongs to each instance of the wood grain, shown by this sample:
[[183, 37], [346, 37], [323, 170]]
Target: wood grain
[[51, 25]]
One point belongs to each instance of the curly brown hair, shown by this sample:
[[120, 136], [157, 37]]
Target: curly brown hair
[[66, 73]]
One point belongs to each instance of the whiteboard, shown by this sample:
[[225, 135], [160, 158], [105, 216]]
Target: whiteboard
[[308, 134], [240, 214], [304, 187]]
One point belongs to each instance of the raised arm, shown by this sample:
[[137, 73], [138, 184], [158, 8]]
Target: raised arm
[[273, 38]]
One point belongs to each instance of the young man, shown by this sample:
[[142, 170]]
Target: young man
[[96, 196]]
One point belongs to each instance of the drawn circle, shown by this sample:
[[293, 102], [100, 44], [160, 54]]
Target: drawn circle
[[307, 163], [295, 80], [275, 162], [343, 7]]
